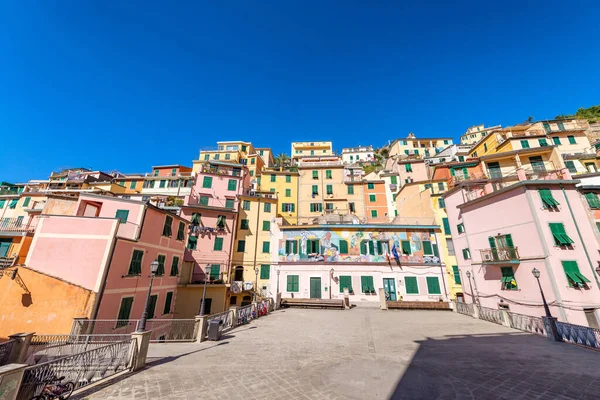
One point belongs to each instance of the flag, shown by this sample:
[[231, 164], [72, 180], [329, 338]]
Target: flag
[[395, 253]]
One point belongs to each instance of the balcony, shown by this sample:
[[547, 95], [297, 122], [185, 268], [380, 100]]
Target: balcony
[[500, 255], [220, 170], [177, 175], [36, 207], [17, 225], [307, 164], [256, 193], [207, 201], [9, 192]]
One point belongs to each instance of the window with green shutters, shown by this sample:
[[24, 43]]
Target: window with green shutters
[[456, 273], [267, 207], [427, 249], [441, 203], [292, 284], [572, 140], [204, 200], [167, 226], [266, 226], [207, 156], [343, 247], [598, 226], [372, 198], [265, 271], [266, 247], [135, 266], [316, 207], [560, 235], [241, 247], [288, 178], [433, 285], [592, 200], [315, 189], [291, 247], [405, 244], [543, 142], [246, 205], [192, 242], [374, 213], [124, 311], [350, 189], [207, 182], [244, 224], [175, 266], [253, 161], [508, 279], [571, 166], [416, 151], [218, 244], [132, 184], [214, 272], [561, 126], [345, 283], [328, 174], [313, 246], [547, 127], [366, 285], [574, 276], [446, 224], [495, 170], [556, 140], [408, 167], [26, 201], [315, 174], [411, 284], [221, 222], [524, 144], [547, 199], [232, 184], [162, 184], [161, 265], [168, 301], [466, 254], [329, 189], [460, 228], [288, 207], [229, 203], [485, 148], [122, 215], [407, 152], [394, 179], [181, 231], [288, 192], [370, 186]]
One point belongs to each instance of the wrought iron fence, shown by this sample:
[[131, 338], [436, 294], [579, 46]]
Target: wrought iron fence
[[104, 326], [43, 348], [81, 369], [246, 314], [578, 334], [491, 315], [464, 308], [5, 349], [163, 330], [526, 323]]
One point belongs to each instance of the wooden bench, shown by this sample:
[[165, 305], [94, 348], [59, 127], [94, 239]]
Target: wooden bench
[[418, 305], [313, 303]]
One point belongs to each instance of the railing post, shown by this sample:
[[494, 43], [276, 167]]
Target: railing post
[[20, 347], [346, 299], [11, 376], [382, 300], [505, 318], [234, 316], [78, 326], [141, 342], [475, 311], [552, 329], [202, 327], [454, 306]]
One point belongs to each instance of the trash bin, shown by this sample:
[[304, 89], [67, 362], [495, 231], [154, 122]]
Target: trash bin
[[214, 330]]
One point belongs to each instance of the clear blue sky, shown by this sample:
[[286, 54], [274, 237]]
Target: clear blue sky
[[108, 85]]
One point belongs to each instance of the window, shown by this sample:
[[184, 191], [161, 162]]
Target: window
[[591, 167], [316, 207], [315, 190], [266, 247], [547, 127], [547, 199], [343, 246], [433, 285], [207, 156], [427, 249], [207, 182], [273, 178], [416, 151], [288, 192], [313, 246], [329, 206], [572, 140], [216, 156], [253, 161], [441, 186], [221, 222], [329, 189], [155, 172], [266, 226], [370, 186], [374, 213], [135, 266], [26, 201], [241, 247], [411, 284], [408, 167], [124, 311], [192, 242], [168, 301], [167, 227], [272, 190], [214, 273], [574, 276], [246, 205], [372, 198], [345, 283], [456, 273], [218, 246], [292, 283], [265, 271], [161, 265], [461, 158], [592, 200], [441, 203], [460, 228], [466, 254], [543, 142], [181, 231], [495, 170], [351, 207], [229, 203], [288, 207], [524, 144], [227, 156], [394, 179], [288, 178], [121, 215], [428, 186], [446, 224], [328, 174], [204, 200], [560, 235], [291, 247], [267, 208], [485, 149], [366, 285], [556, 140], [350, 189], [243, 224], [196, 219], [405, 244], [508, 279], [406, 152], [163, 183], [561, 126], [232, 184], [315, 174], [13, 204], [571, 166], [132, 184], [175, 266]]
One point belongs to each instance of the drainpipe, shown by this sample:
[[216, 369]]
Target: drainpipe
[[585, 250]]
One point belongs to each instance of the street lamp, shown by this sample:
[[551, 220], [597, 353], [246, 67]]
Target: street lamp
[[471, 285], [203, 293], [255, 283], [536, 274], [153, 268]]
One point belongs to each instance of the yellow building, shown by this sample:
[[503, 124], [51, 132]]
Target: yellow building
[[412, 146], [251, 259], [285, 185], [475, 133], [267, 156], [311, 149], [132, 183]]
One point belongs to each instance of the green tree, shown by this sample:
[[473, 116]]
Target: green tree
[[282, 160]]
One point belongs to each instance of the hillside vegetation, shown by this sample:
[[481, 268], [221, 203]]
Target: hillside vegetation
[[592, 114]]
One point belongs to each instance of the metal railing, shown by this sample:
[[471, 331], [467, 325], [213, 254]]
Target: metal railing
[[527, 323], [499, 254], [163, 330], [491, 315], [225, 319], [578, 334], [246, 314], [16, 225], [43, 348], [5, 349], [81, 369], [7, 262], [464, 308]]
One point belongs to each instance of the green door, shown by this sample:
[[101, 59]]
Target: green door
[[4, 246], [390, 289], [315, 288]]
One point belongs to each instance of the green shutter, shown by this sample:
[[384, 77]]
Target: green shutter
[[525, 144], [132, 185], [168, 301], [266, 247], [560, 235], [196, 218], [328, 174], [556, 140], [2, 202], [207, 182], [288, 192], [408, 167], [571, 166], [446, 224], [366, 284], [135, 266], [427, 249], [394, 179], [433, 285], [267, 208], [412, 287], [466, 254], [363, 247], [350, 189], [192, 242], [161, 265], [329, 189], [229, 203], [345, 282], [266, 226], [218, 244], [122, 215], [203, 200], [574, 276], [508, 279], [343, 247], [181, 231], [214, 272], [232, 184], [315, 174], [441, 203], [572, 140], [372, 198], [175, 266], [167, 227], [456, 273], [265, 271], [406, 247], [436, 252], [26, 201], [315, 189], [125, 308], [292, 283], [370, 186], [592, 200], [547, 199], [288, 178], [221, 222], [371, 247], [241, 246], [273, 178], [543, 142], [244, 224], [380, 247], [374, 213]]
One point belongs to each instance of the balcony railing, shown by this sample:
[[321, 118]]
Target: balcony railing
[[256, 193], [500, 254], [17, 225], [220, 170], [320, 163], [9, 192]]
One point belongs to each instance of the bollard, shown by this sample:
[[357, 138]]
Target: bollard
[[505, 318], [141, 342], [475, 311], [19, 349], [234, 316], [201, 328], [551, 329], [382, 299]]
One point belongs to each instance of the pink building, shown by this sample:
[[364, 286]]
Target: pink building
[[502, 230], [106, 246]]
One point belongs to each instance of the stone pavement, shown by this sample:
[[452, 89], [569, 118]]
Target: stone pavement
[[364, 353]]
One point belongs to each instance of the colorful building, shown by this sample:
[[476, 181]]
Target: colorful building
[[375, 200], [360, 154], [311, 149], [475, 133], [284, 184], [412, 146]]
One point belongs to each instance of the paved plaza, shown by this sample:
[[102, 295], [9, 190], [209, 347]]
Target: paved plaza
[[364, 353]]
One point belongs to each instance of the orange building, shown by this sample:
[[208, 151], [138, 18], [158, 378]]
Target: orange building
[[376, 209]]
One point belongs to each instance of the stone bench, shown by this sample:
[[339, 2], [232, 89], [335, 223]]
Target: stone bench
[[418, 305], [313, 303]]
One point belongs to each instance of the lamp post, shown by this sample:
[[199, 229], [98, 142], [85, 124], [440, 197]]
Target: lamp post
[[536, 274], [278, 272], [471, 285], [153, 269], [255, 283], [203, 294]]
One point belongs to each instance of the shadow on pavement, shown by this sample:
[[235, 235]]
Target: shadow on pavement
[[499, 366]]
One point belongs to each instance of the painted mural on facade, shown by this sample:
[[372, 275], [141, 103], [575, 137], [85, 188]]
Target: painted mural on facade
[[358, 246]]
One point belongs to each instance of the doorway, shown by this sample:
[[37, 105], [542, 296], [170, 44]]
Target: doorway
[[315, 288], [390, 289]]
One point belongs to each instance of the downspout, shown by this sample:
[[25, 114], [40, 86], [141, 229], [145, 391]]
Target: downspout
[[580, 236]]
